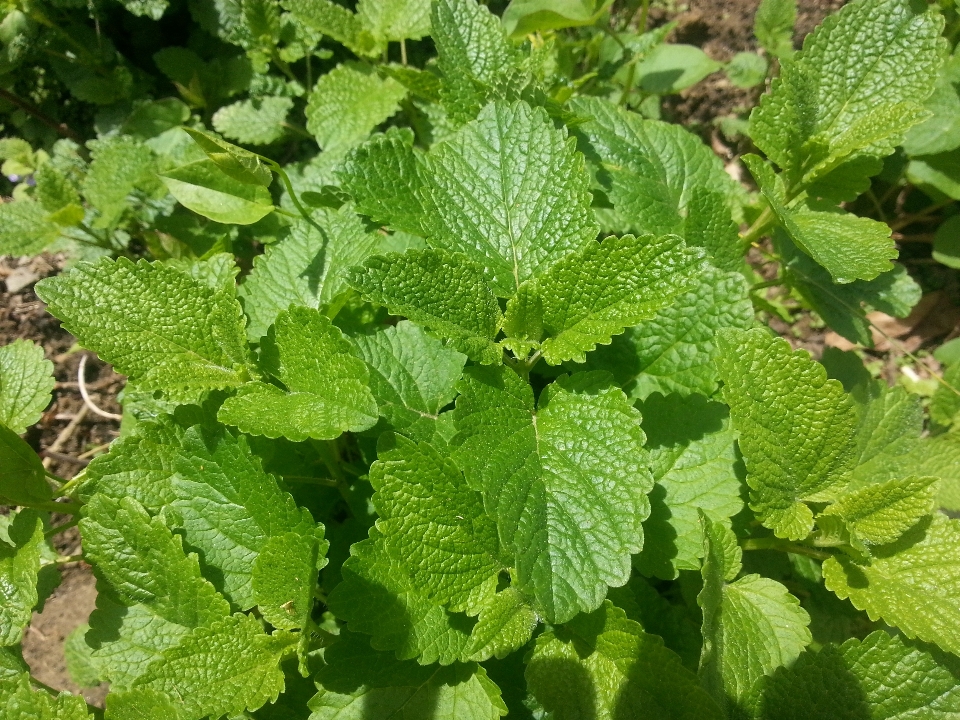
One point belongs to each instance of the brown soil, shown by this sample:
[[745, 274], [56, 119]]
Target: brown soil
[[66, 442]]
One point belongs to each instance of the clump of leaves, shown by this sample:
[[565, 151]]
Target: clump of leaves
[[450, 451]]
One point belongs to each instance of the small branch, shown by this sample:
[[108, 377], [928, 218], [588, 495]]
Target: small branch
[[65, 434], [403, 52], [906, 220], [772, 543], [61, 528], [67, 559], [63, 458], [31, 109], [81, 383]]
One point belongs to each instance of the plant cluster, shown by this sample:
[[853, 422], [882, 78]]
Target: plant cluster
[[491, 426]]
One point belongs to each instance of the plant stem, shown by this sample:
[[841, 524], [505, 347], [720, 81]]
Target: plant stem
[[61, 528], [403, 52], [772, 543], [285, 179], [642, 11], [759, 227], [62, 128], [914, 217], [65, 559]]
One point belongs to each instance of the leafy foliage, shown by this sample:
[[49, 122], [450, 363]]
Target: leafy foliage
[[449, 391]]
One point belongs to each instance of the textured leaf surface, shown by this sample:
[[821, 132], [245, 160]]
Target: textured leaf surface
[[19, 566], [161, 587], [336, 21], [118, 166], [911, 584], [565, 480], [26, 381], [348, 103], [879, 514], [259, 121], [882, 677], [412, 375], [675, 350], [434, 524], [19, 701], [444, 292], [796, 427], [395, 19], [357, 679], [378, 598], [226, 668], [285, 577], [859, 75], [307, 268], [229, 508], [659, 176], [327, 391], [589, 297], [694, 462], [604, 666], [503, 626], [510, 192], [156, 324], [773, 26], [751, 626], [25, 228]]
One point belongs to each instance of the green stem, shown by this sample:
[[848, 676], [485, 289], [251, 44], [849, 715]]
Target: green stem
[[766, 284], [285, 179], [910, 219], [772, 543], [403, 52], [65, 559], [70, 485], [61, 528], [759, 228], [68, 508], [56, 478], [643, 11]]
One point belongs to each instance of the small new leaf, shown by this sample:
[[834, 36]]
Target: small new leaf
[[26, 381]]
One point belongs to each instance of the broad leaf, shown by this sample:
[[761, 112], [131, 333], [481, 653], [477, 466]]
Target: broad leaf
[[19, 701], [203, 187], [26, 381], [879, 514], [796, 427], [444, 292], [338, 22], [259, 121], [503, 626], [565, 479], [19, 567], [434, 524], [285, 578], [356, 678], [241, 165], [604, 666], [882, 677], [393, 20], [23, 479], [166, 330], [523, 17], [911, 584], [693, 458], [119, 165], [590, 296], [326, 386], [510, 192], [25, 228], [348, 103]]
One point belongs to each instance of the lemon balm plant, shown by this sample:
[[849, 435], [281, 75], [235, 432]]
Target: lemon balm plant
[[493, 430]]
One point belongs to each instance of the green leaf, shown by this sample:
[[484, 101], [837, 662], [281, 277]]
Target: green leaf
[[23, 479], [882, 677], [565, 480], [853, 91], [19, 701], [285, 577], [941, 131], [662, 177], [506, 624], [844, 307], [82, 669], [225, 668], [394, 20], [773, 26], [166, 330], [382, 176], [751, 627], [442, 291], [796, 427], [256, 121], [336, 21], [307, 268], [19, 567], [911, 584], [152, 9], [412, 376], [478, 63], [590, 296], [694, 462], [151, 118], [26, 383], [523, 17], [434, 524], [945, 403], [119, 165], [229, 508], [937, 172], [347, 103], [157, 593], [879, 514], [25, 228], [55, 190], [378, 598], [204, 187], [356, 679], [946, 241], [510, 192], [747, 70], [849, 247], [326, 386], [891, 422], [675, 350], [670, 68], [604, 666]]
